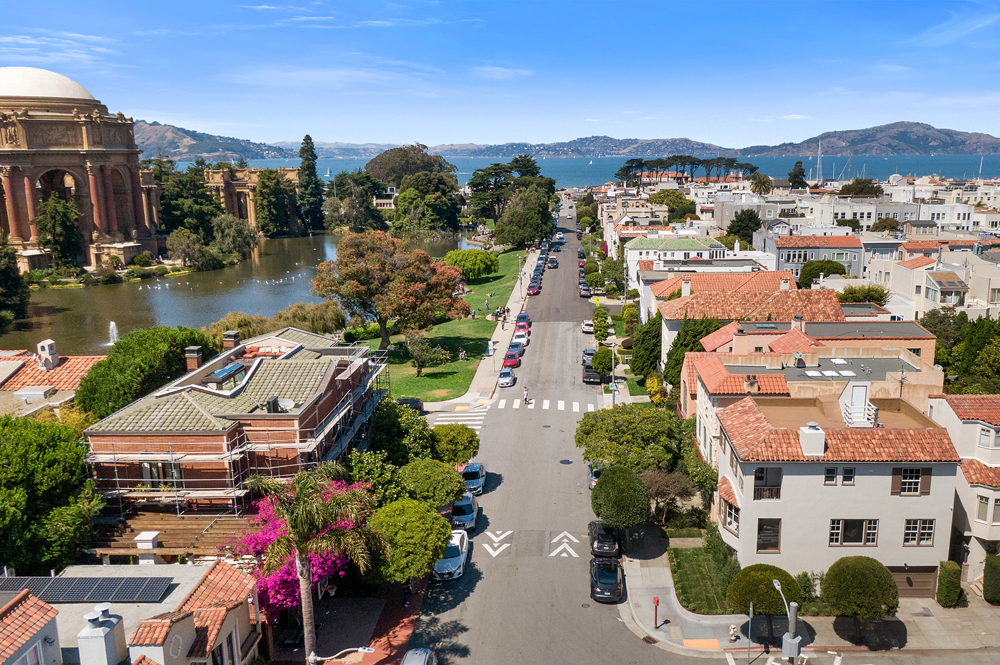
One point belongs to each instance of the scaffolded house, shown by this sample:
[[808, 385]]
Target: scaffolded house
[[273, 405]]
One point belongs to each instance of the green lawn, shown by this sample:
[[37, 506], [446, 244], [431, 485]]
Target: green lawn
[[454, 379], [619, 329], [696, 588], [635, 388]]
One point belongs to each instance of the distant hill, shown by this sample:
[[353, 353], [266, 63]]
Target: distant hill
[[339, 150], [187, 145], [591, 146]]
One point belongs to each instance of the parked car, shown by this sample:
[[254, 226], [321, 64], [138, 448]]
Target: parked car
[[522, 326], [581, 263], [580, 254], [534, 289], [583, 281], [511, 359], [507, 378], [584, 292], [521, 337], [594, 470], [523, 316], [474, 476], [516, 346], [411, 402], [451, 566], [587, 327], [553, 262], [588, 356], [607, 580], [556, 247], [603, 539], [464, 512], [591, 375], [419, 657], [559, 236]]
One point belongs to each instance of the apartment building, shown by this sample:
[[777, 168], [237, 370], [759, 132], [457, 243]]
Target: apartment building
[[684, 285], [793, 252], [654, 247]]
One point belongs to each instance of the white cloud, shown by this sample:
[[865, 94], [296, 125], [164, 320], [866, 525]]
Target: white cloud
[[591, 120], [794, 116], [68, 49], [499, 73], [954, 29], [650, 117], [259, 7]]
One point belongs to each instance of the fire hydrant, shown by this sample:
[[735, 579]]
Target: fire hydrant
[[732, 633]]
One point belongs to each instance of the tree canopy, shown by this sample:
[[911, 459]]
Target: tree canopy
[[373, 467], [620, 499], [861, 187], [58, 231], [455, 443], [186, 201], [491, 188], [400, 432], [310, 189], [274, 201], [474, 263], [797, 176], [525, 219], [688, 339], [761, 184], [669, 197], [743, 225], [428, 201], [646, 346], [14, 294], [233, 235], [812, 269], [395, 164], [875, 293], [755, 584], [885, 224], [433, 482], [860, 587], [417, 535], [632, 437]]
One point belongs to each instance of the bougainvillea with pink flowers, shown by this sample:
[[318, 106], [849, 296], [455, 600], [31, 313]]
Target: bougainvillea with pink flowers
[[280, 589]]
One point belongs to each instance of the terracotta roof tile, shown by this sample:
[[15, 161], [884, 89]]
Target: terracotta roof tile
[[719, 381], [65, 376], [793, 340], [20, 621], [916, 262], [154, 631], [764, 280], [755, 439], [756, 306], [207, 624], [920, 245], [976, 407], [645, 265], [723, 335], [222, 584], [977, 473], [726, 492], [786, 242]]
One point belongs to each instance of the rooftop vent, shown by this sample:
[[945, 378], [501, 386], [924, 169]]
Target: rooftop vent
[[812, 439]]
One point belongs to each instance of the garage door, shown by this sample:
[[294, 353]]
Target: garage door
[[915, 581]]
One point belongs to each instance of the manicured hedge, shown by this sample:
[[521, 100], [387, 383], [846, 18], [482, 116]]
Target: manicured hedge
[[991, 580], [949, 591]]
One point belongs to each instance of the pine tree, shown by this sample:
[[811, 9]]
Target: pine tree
[[13, 290], [271, 199], [310, 195], [58, 231]]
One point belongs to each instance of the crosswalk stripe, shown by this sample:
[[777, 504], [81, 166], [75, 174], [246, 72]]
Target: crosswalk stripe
[[502, 404], [517, 404], [531, 404], [562, 405], [576, 407], [545, 404], [590, 407]]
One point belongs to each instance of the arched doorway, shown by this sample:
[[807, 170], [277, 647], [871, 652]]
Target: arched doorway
[[124, 212], [66, 186]]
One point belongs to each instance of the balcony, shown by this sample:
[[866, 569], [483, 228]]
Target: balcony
[[767, 493]]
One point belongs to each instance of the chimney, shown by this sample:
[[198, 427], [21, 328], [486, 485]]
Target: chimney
[[192, 356], [812, 439], [230, 339], [736, 248], [102, 641], [685, 287], [750, 384], [785, 284], [48, 358], [799, 323], [148, 540]]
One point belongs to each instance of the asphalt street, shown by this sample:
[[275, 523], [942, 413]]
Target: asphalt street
[[524, 597]]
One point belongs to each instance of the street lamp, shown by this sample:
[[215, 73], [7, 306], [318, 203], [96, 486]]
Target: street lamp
[[314, 659], [789, 641]]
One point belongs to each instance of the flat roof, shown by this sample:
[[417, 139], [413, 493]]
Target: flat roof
[[862, 308], [831, 369], [794, 412], [865, 329]]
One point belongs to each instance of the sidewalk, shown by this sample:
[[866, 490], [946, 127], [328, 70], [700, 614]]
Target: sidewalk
[[920, 623], [485, 381]]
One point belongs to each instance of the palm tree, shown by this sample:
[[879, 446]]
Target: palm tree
[[761, 183], [317, 522]]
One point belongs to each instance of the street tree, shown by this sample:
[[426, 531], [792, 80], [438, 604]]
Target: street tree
[[310, 189], [613, 272], [813, 269], [274, 201], [455, 443], [600, 322], [417, 536], [594, 281], [861, 187], [743, 225], [58, 231], [474, 263], [380, 278], [797, 177], [422, 354], [392, 165], [761, 184], [14, 293], [525, 218], [373, 467], [400, 432], [665, 489], [602, 362], [862, 588], [319, 519], [233, 235], [874, 293], [630, 436], [688, 339], [435, 483], [646, 346], [620, 499], [755, 584]]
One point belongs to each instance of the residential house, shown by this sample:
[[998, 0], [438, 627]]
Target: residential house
[[656, 248], [33, 381], [688, 283], [28, 632], [795, 251]]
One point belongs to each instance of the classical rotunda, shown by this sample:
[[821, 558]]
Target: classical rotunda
[[57, 139]]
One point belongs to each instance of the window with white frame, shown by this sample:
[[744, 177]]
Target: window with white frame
[[731, 517], [996, 511], [910, 481], [985, 437], [32, 657], [830, 476], [918, 532], [982, 511], [847, 478], [854, 532]]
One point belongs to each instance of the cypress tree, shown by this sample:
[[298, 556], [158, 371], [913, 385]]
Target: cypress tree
[[310, 195]]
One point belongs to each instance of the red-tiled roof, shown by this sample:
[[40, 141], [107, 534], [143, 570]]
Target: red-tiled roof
[[222, 584], [153, 631], [792, 242], [819, 305], [792, 341], [207, 624], [919, 245], [976, 407], [755, 439], [977, 473], [20, 621], [764, 280], [646, 265], [64, 376], [916, 262], [723, 335], [719, 381], [726, 492]]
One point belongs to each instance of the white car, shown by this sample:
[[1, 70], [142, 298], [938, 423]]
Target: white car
[[507, 378], [521, 337], [588, 326], [451, 566], [559, 236]]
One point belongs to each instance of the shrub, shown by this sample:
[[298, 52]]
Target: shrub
[[949, 591], [590, 266], [620, 498], [632, 294], [432, 482], [806, 584], [143, 260], [754, 584], [627, 343], [991, 580], [861, 587]]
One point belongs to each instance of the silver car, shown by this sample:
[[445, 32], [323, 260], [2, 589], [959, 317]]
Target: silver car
[[506, 378], [419, 657], [464, 512], [451, 566], [474, 475]]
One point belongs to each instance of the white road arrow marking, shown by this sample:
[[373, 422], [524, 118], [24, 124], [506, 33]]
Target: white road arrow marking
[[494, 552], [500, 535], [563, 536], [565, 548]]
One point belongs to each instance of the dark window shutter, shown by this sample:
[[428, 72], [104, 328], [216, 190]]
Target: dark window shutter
[[897, 480], [925, 481]]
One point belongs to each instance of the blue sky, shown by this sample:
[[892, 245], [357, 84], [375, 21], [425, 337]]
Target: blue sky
[[734, 74]]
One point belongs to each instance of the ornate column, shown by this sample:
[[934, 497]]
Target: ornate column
[[138, 211], [29, 198], [13, 219], [109, 201], [96, 200]]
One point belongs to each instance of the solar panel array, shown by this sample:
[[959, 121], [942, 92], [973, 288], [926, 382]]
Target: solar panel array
[[91, 589]]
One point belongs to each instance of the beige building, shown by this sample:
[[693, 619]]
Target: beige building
[[237, 194], [57, 139]]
